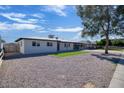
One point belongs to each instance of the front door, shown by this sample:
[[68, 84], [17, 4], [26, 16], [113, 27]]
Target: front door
[[58, 46]]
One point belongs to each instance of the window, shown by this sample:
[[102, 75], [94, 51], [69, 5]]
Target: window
[[65, 45], [38, 44], [68, 44], [81, 45], [33, 43], [49, 44]]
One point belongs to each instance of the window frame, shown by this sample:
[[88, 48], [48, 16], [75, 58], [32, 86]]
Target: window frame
[[37, 44], [49, 44], [34, 43], [65, 45]]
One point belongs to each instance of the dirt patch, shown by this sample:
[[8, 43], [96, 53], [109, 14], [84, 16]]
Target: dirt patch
[[89, 85]]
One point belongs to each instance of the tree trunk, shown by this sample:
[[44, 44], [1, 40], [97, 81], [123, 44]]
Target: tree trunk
[[107, 44], [107, 32]]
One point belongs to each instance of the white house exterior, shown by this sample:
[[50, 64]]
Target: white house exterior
[[66, 46], [44, 45]]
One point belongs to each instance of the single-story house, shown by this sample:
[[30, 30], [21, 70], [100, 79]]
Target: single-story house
[[46, 45]]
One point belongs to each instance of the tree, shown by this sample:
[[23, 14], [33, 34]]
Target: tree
[[100, 20], [102, 42], [118, 42], [1, 40], [120, 16]]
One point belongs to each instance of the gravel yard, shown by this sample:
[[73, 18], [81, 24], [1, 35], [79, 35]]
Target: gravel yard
[[51, 71]]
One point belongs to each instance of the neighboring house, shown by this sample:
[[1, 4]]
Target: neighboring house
[[46, 45], [89, 45]]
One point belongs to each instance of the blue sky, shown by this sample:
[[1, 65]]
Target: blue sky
[[40, 21]]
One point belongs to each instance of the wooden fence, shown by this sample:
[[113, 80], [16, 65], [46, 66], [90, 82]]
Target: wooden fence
[[11, 48]]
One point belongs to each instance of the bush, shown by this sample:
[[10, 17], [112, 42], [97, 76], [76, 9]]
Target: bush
[[117, 42], [103, 42]]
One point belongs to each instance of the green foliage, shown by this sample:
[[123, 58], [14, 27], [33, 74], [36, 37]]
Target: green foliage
[[1, 40], [101, 20], [117, 42], [120, 17], [103, 42]]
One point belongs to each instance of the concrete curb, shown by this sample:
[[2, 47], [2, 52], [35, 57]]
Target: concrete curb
[[118, 77], [1, 62]]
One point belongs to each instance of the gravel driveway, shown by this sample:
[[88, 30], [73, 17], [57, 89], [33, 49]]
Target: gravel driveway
[[50, 71]]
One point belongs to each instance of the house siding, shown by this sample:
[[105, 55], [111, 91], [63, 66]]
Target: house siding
[[63, 48], [21, 48], [43, 48], [26, 46]]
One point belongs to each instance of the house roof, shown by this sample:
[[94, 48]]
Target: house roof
[[46, 39], [35, 38]]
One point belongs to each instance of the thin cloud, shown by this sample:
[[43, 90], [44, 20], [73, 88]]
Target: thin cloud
[[18, 17], [58, 9], [22, 18], [38, 15], [77, 36], [18, 26], [4, 7], [73, 29]]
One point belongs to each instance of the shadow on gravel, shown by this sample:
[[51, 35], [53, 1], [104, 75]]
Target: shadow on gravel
[[16, 56], [115, 58]]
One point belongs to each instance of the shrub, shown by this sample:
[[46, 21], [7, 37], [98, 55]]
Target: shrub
[[103, 42], [115, 42], [118, 42]]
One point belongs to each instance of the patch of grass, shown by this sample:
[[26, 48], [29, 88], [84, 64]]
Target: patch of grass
[[65, 54]]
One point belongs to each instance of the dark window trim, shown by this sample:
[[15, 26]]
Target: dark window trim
[[38, 43], [49, 44], [67, 45], [33, 43]]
